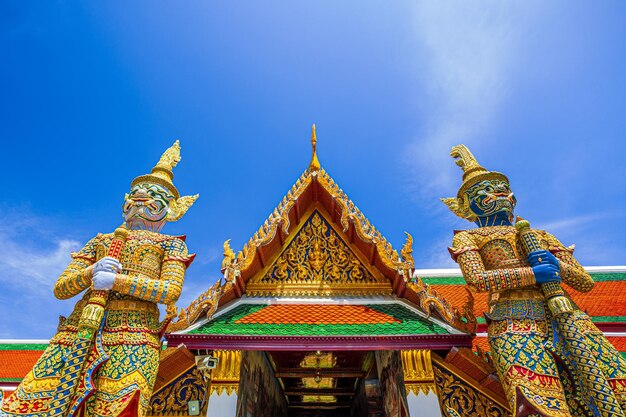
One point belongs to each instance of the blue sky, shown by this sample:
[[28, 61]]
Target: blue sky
[[92, 93]]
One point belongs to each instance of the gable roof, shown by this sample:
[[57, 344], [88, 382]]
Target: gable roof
[[316, 191], [371, 323], [317, 260]]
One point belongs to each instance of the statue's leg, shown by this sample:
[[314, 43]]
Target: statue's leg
[[125, 382], [526, 367], [577, 407], [122, 384], [609, 360]]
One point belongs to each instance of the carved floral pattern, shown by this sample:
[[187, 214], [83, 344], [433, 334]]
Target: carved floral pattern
[[173, 398], [317, 259], [318, 254], [458, 398]]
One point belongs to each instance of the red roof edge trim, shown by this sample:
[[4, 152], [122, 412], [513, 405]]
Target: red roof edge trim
[[338, 343]]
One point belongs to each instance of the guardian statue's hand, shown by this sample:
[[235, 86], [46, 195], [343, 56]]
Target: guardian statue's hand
[[107, 264], [542, 257], [545, 272], [103, 280]]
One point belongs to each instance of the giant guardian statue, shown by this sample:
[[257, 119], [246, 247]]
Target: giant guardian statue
[[103, 361], [551, 359]]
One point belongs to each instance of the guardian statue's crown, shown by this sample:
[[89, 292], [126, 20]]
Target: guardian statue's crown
[[473, 173], [163, 175]]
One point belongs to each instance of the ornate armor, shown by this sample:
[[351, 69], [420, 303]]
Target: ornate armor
[[519, 324], [542, 357], [154, 265]]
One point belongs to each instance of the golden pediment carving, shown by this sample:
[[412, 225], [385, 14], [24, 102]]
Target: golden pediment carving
[[318, 261]]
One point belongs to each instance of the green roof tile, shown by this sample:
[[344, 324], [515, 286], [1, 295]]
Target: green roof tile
[[459, 280], [23, 346], [612, 276], [444, 280], [411, 323], [608, 319]]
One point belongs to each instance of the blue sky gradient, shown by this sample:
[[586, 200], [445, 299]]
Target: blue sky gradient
[[92, 93]]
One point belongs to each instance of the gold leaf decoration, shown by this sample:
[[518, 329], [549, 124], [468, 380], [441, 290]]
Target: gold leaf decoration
[[418, 371], [459, 398], [318, 260], [173, 398]]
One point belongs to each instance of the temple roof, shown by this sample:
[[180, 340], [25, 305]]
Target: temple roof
[[317, 243], [17, 358], [600, 303], [346, 324], [320, 320], [316, 189]]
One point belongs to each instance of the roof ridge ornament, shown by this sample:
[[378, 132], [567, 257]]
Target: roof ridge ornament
[[314, 166]]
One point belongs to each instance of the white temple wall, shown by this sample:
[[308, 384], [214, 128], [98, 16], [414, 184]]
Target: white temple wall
[[222, 405], [423, 405]]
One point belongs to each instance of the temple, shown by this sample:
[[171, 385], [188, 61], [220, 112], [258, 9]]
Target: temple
[[318, 315]]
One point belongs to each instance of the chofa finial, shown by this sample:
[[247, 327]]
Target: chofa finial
[[315, 163]]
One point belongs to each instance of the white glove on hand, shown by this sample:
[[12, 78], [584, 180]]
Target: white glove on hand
[[103, 280], [107, 264]]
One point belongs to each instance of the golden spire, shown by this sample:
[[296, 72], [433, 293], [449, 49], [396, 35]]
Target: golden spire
[[315, 163], [473, 172]]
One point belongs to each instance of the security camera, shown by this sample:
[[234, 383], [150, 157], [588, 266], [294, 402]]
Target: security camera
[[206, 362]]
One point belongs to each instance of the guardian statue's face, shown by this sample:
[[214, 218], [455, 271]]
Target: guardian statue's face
[[491, 197], [145, 207]]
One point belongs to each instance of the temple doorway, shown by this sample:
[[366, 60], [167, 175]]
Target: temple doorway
[[321, 384]]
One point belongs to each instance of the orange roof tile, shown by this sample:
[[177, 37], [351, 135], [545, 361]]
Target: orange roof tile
[[317, 314], [15, 364], [481, 342], [457, 296], [618, 342], [602, 301]]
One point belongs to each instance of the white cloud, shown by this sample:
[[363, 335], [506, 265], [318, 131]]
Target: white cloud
[[31, 260], [588, 232], [32, 256], [467, 49], [26, 268], [573, 225]]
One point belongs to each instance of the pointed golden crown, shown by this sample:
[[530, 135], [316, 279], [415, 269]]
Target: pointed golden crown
[[473, 173], [163, 175], [162, 172]]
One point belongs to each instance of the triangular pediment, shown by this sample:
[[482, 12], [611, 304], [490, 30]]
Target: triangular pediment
[[318, 260], [317, 243]]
